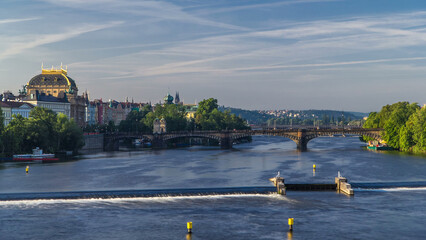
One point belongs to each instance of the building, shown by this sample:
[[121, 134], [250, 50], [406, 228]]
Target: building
[[7, 113], [21, 108], [99, 112], [159, 126], [11, 108], [91, 113], [191, 109], [177, 99], [168, 99], [56, 104], [7, 96], [57, 83]]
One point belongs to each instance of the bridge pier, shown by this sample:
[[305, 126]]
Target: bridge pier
[[302, 145], [225, 142], [158, 142], [111, 145], [302, 142]]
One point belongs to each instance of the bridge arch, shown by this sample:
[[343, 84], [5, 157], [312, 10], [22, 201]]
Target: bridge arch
[[226, 138], [111, 142], [171, 137]]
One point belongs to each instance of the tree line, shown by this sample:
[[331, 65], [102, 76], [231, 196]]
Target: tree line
[[404, 126], [44, 128], [207, 117]]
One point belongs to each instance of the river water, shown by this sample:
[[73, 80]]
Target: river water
[[375, 212]]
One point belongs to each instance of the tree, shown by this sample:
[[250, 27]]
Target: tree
[[175, 116], [134, 122], [70, 135], [208, 117], [416, 129], [207, 106], [403, 125], [45, 129], [41, 129]]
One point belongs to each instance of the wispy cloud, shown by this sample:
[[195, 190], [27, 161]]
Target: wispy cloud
[[152, 10], [14, 20], [202, 43], [305, 45], [258, 6], [21, 43]]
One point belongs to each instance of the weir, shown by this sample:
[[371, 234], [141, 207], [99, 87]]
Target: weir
[[340, 184], [200, 191]]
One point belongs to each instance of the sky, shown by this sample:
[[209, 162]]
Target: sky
[[349, 55]]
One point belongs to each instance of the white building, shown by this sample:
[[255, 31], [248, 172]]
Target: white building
[[57, 105], [11, 108]]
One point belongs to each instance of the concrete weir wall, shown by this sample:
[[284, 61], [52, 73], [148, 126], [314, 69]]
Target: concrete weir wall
[[343, 186], [93, 143]]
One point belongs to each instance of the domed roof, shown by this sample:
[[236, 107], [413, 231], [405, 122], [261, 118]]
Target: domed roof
[[168, 98], [52, 79]]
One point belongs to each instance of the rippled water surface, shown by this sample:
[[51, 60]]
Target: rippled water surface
[[379, 213]]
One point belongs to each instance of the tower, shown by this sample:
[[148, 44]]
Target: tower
[[177, 99]]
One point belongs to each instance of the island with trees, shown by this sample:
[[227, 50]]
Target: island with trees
[[404, 126]]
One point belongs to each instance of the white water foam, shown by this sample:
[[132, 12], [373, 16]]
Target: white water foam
[[398, 189], [159, 199]]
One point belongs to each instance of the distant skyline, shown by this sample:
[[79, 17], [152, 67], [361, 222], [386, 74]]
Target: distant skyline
[[350, 55]]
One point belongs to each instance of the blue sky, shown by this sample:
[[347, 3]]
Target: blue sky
[[297, 54]]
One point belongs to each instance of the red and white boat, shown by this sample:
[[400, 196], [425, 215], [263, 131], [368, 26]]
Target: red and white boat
[[36, 156]]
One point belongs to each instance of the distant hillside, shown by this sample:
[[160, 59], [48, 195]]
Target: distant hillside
[[300, 116], [253, 116]]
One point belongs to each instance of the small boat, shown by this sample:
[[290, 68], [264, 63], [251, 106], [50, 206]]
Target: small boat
[[36, 156], [378, 146], [138, 142]]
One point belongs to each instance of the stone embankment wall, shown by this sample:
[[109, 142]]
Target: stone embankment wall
[[93, 143]]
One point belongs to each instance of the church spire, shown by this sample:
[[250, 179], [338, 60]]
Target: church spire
[[177, 99]]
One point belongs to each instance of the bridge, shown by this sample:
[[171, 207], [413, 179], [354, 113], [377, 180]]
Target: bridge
[[226, 138]]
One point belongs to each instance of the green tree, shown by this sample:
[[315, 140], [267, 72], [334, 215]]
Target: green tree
[[400, 122], [44, 129], [70, 135], [15, 135], [134, 122], [175, 116], [41, 129], [208, 117], [416, 128]]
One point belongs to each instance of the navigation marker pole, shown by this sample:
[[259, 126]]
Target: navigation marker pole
[[189, 226], [290, 224]]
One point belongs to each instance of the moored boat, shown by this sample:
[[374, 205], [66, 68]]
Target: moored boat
[[37, 155], [378, 146]]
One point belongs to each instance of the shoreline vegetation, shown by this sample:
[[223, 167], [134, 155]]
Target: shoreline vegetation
[[44, 128], [404, 126]]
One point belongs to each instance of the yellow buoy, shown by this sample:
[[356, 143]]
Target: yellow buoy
[[189, 226], [290, 223], [314, 166]]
